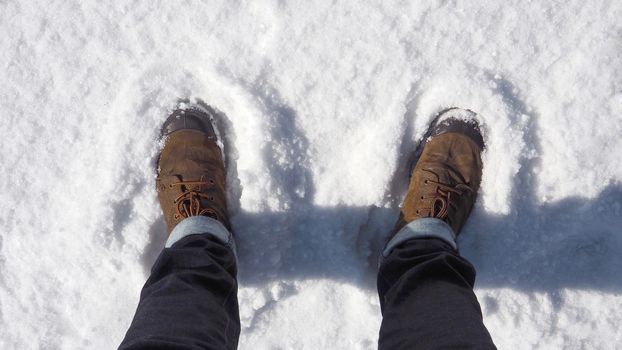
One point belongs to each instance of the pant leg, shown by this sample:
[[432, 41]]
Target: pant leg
[[427, 299], [190, 299]]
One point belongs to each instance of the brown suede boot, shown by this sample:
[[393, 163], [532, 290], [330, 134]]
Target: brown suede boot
[[191, 170], [447, 175]]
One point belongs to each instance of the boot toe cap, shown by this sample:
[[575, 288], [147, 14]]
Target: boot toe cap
[[462, 121], [188, 119]]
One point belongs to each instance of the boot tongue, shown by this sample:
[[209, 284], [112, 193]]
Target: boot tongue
[[447, 186]]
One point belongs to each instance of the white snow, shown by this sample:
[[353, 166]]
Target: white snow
[[324, 101]]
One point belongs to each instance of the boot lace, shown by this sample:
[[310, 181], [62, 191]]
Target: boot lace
[[190, 201], [444, 197]]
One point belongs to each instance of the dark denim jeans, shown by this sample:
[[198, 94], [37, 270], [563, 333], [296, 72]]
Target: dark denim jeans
[[425, 287], [427, 299]]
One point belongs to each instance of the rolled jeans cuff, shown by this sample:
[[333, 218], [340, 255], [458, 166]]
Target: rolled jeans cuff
[[422, 228], [197, 225]]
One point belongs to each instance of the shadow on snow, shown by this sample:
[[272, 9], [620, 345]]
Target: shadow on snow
[[572, 243]]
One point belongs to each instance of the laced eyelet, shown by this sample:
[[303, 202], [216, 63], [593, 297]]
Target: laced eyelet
[[189, 203]]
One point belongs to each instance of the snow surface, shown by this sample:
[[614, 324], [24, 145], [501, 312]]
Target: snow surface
[[324, 100]]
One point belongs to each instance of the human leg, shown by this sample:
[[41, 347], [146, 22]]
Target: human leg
[[425, 287], [190, 299], [427, 300]]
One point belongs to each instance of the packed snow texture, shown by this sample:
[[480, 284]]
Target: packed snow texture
[[322, 101]]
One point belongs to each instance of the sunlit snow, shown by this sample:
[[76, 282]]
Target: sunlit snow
[[323, 102]]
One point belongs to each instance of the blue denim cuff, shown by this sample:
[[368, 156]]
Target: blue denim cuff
[[196, 225], [422, 228]]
